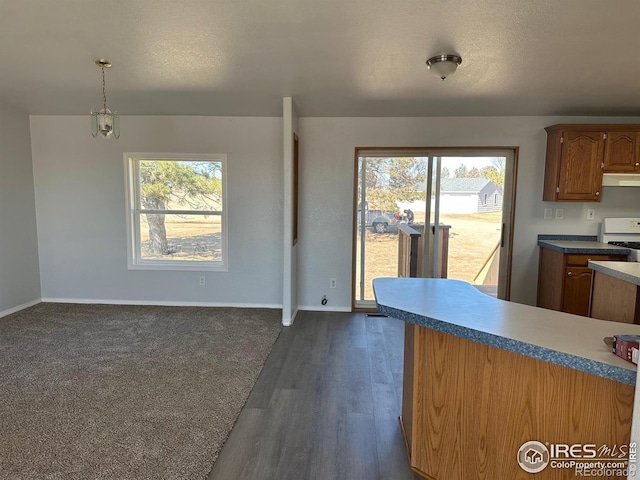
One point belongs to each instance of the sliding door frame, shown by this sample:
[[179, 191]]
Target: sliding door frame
[[511, 174]]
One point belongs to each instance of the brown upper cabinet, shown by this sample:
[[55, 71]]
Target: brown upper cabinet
[[578, 155], [622, 152]]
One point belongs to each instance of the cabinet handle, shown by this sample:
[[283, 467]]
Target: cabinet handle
[[569, 273], [597, 193], [637, 164]]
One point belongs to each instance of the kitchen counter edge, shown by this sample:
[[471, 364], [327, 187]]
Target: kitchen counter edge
[[493, 328], [627, 271]]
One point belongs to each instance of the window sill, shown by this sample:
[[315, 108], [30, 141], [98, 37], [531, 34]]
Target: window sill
[[185, 267]]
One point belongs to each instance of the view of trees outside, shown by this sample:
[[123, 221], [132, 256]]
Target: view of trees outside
[[394, 182], [194, 189], [403, 179], [494, 171]]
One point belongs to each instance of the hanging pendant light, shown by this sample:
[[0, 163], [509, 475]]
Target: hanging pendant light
[[104, 122]]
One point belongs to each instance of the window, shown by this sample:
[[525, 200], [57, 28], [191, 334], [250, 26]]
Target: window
[[485, 198], [176, 211], [495, 198]]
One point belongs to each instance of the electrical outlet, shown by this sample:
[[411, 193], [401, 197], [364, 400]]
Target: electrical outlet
[[333, 283], [591, 213], [202, 281], [548, 213], [559, 213]]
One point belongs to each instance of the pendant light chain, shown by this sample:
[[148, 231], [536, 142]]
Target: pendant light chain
[[104, 91]]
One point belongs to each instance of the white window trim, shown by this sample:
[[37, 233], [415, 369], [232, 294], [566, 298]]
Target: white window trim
[[133, 233]]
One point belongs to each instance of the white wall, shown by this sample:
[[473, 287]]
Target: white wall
[[80, 202], [79, 184], [327, 170], [19, 275]]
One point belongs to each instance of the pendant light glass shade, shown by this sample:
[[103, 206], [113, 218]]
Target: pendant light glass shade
[[104, 122]]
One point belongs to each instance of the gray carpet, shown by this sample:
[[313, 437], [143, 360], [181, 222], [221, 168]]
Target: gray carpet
[[125, 392]]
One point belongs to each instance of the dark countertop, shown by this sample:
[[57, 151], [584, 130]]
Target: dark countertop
[[581, 244]]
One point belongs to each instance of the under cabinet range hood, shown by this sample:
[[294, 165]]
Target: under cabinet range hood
[[621, 180]]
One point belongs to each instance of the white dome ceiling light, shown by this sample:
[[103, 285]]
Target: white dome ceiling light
[[444, 65]]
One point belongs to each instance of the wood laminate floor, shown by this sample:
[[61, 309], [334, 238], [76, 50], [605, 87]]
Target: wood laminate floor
[[325, 406]]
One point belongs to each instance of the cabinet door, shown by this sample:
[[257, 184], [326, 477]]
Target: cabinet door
[[577, 290], [622, 152], [581, 166]]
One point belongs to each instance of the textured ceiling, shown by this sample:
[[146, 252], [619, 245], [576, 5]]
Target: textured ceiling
[[334, 57]]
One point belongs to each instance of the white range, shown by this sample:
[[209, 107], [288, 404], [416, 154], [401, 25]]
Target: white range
[[623, 232]]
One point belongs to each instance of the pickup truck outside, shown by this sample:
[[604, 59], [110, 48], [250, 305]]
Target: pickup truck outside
[[383, 221]]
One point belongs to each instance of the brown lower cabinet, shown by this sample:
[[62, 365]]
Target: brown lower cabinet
[[564, 280]]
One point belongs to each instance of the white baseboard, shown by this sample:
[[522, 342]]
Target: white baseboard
[[160, 303], [98, 301], [321, 308], [4, 313], [312, 308]]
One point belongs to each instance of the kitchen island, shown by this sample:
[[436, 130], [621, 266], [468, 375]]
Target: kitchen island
[[483, 377], [615, 294]]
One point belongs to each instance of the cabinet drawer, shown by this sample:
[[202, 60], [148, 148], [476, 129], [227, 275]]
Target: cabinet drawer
[[581, 260]]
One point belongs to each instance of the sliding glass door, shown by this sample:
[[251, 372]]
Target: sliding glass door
[[462, 199]]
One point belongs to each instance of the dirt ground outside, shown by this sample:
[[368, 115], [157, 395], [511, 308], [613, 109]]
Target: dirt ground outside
[[189, 237], [472, 239]]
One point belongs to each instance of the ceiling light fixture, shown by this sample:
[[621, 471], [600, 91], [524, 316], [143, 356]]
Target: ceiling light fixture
[[444, 65], [104, 122]]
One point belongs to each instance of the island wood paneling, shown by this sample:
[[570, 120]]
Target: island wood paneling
[[614, 299], [406, 419], [475, 405]]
